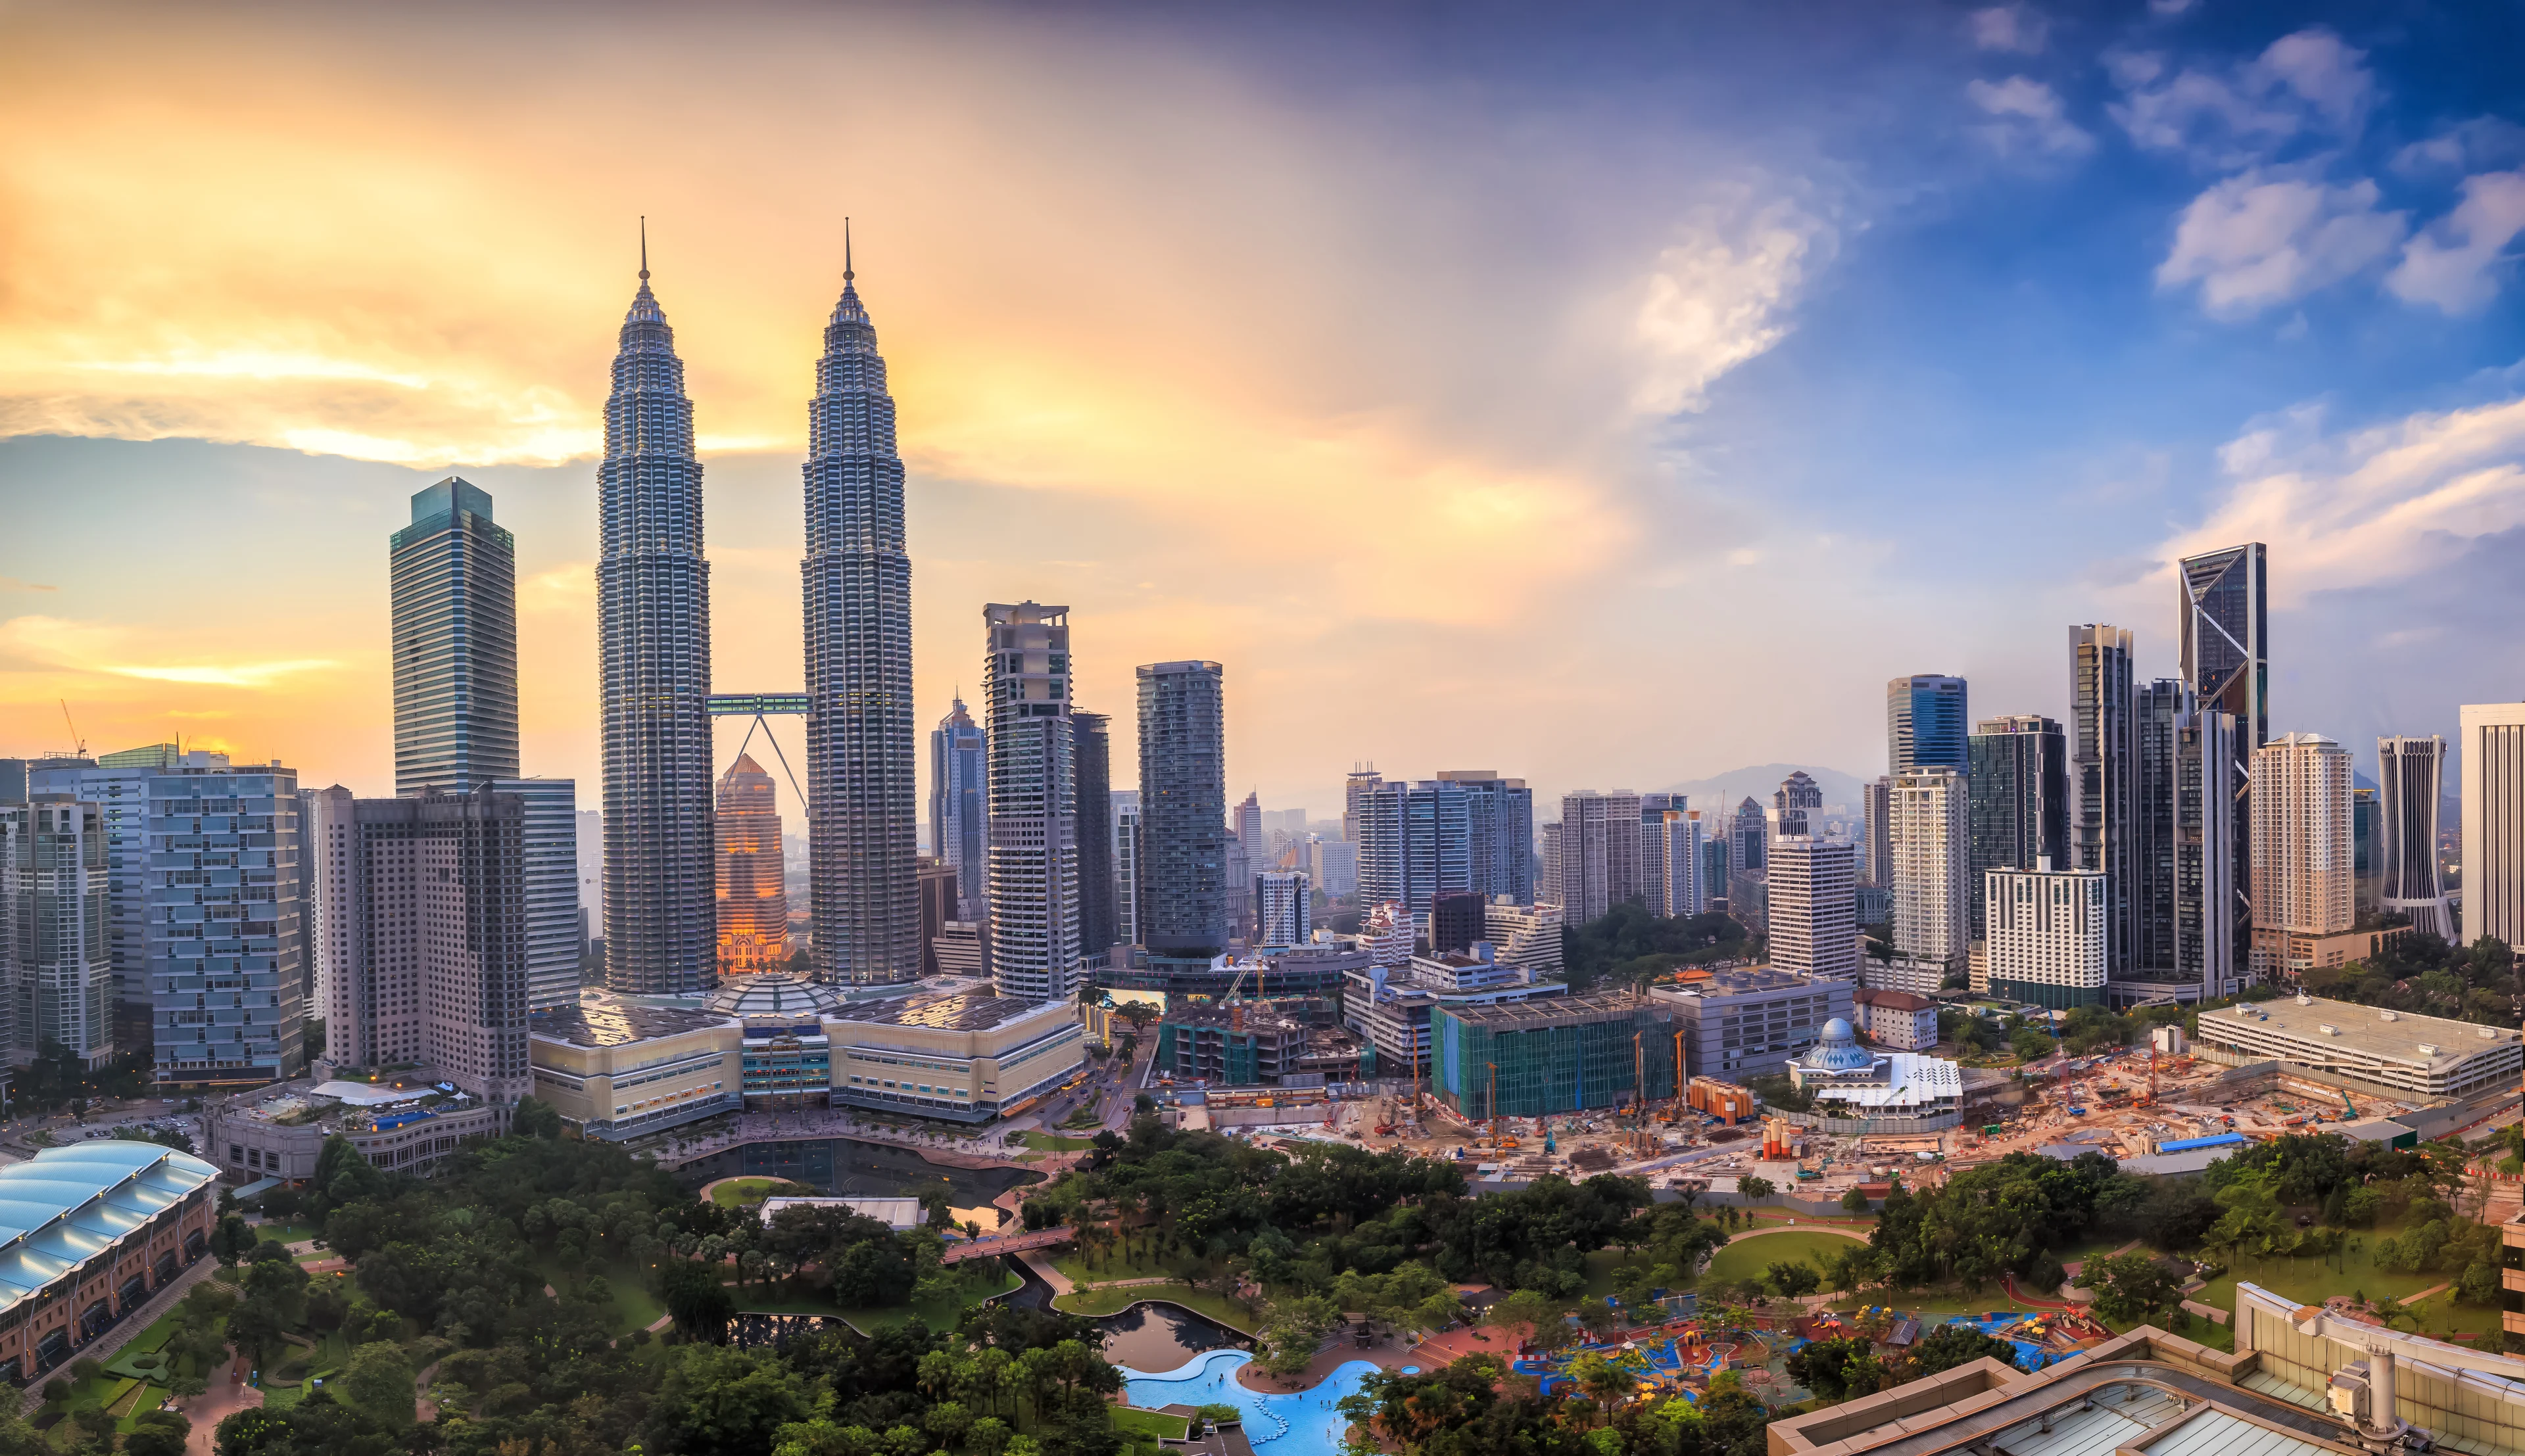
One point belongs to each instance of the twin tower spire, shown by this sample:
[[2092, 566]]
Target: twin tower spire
[[653, 630]]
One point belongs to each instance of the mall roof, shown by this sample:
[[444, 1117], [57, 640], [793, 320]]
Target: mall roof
[[953, 1011], [69, 1204], [2372, 1031], [600, 1020]]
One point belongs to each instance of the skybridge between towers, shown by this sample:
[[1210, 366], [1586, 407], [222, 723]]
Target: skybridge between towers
[[759, 707]]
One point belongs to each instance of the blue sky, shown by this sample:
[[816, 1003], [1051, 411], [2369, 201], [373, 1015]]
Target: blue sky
[[1611, 394]]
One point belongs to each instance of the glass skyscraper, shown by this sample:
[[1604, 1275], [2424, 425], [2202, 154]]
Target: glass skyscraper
[[1183, 809], [454, 597], [653, 634], [1094, 757], [2102, 768], [862, 792], [1925, 723], [2017, 775], [960, 805]]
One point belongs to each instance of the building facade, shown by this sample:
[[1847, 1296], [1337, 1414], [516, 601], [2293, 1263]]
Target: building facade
[[1749, 1022], [753, 892], [1183, 806], [1526, 937], [101, 1228], [55, 930], [960, 805], [554, 937], [2410, 773], [1092, 768], [1814, 908], [453, 602], [2101, 767], [2304, 882], [1281, 910], [117, 784], [1599, 852], [1034, 858], [2395, 1053], [1797, 807], [1898, 1019], [2493, 821], [1930, 837], [857, 581], [2044, 933], [2017, 778], [653, 635], [227, 926], [1672, 846], [1498, 821], [1127, 866], [1926, 722], [1555, 1055]]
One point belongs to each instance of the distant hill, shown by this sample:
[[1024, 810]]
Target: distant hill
[[1727, 790]]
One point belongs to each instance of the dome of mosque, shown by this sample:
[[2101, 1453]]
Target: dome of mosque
[[1837, 1049]]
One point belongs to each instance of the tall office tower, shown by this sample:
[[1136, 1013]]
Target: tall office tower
[[1714, 867], [1873, 811], [1500, 819], [2408, 774], [959, 804], [1925, 723], [431, 898], [454, 597], [2222, 624], [1249, 829], [2157, 713], [2493, 821], [1415, 842], [857, 578], [1127, 866], [1240, 889], [2100, 770], [1653, 865], [1457, 919], [2017, 776], [1746, 839], [1599, 852], [549, 839], [753, 898], [2044, 936], [1931, 834], [938, 901], [2304, 885], [117, 784], [1092, 758], [1815, 908], [1797, 805], [653, 635], [55, 930], [1034, 854], [1361, 780], [2206, 784], [1281, 910], [591, 877], [2367, 852], [227, 926], [1547, 890], [328, 835], [1183, 809], [1332, 865]]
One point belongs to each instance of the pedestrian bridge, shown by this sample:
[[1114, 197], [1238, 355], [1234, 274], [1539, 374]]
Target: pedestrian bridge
[[1007, 1243]]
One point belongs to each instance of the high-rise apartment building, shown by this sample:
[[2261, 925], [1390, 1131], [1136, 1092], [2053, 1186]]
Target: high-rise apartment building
[[1034, 857], [1815, 908], [2017, 776], [454, 600], [1547, 890], [55, 930], [1416, 842], [2180, 887], [1873, 820], [653, 636], [1671, 847], [548, 832], [427, 900], [1333, 865], [1599, 852], [959, 804], [225, 926], [1183, 809], [2304, 883], [2101, 767], [752, 896], [1499, 819], [1127, 866], [2493, 821], [2044, 936], [1361, 780], [2367, 852], [2409, 775], [1280, 898], [1092, 760], [1926, 723], [1931, 837], [1797, 807], [117, 784], [861, 789], [2158, 710]]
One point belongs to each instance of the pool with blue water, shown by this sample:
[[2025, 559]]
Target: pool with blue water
[[1307, 1422]]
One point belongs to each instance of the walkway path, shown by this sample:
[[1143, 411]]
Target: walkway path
[[225, 1397], [1797, 1229], [1042, 1267], [105, 1347], [982, 1249]]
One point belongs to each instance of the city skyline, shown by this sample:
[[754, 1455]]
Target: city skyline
[[1020, 487]]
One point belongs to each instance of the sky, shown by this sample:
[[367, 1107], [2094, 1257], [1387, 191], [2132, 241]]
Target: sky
[[1607, 395]]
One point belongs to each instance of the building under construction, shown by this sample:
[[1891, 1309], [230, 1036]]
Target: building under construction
[[1254, 1043], [1541, 1059]]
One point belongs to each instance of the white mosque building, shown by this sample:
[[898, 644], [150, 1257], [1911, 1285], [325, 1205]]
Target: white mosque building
[[1850, 1080]]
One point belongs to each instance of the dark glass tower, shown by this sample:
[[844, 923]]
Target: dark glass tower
[[863, 798], [1925, 723], [958, 806], [2018, 773], [2102, 768], [653, 632], [1183, 809], [1094, 757], [454, 595]]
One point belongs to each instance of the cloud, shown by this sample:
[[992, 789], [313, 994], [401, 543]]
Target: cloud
[[13, 584], [1717, 298], [2452, 263], [2010, 27], [2483, 141], [2306, 83], [2380, 504], [2031, 119], [2257, 239], [226, 675]]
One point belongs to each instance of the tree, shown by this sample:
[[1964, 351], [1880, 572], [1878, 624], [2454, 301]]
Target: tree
[[1854, 1201], [1837, 1369], [232, 1238], [536, 1118], [1756, 1186], [2131, 1287], [1791, 1280], [154, 1433], [1950, 1345], [380, 1383], [695, 1299]]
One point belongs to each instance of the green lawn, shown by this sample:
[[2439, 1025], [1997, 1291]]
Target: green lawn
[[1134, 1420], [746, 1192], [1047, 1142], [2354, 1272], [1111, 1263], [1747, 1258], [1110, 1300], [292, 1233], [938, 1315], [634, 1307]]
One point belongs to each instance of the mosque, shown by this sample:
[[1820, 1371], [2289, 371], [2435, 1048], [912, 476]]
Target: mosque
[[1855, 1081]]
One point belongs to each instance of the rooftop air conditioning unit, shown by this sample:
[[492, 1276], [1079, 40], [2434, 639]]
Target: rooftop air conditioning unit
[[2428, 1048], [2387, 1016], [2329, 1030]]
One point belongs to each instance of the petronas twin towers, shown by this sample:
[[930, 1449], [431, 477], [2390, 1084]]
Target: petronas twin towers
[[653, 625]]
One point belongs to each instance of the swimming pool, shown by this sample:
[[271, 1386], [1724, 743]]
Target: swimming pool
[[1304, 1423]]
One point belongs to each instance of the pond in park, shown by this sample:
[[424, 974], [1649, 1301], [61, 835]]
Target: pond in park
[[1163, 1337]]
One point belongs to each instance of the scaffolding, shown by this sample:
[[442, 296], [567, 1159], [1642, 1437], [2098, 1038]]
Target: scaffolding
[[1567, 1054]]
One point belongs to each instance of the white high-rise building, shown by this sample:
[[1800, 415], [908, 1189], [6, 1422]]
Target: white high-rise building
[[1815, 908], [1280, 908], [1386, 934], [1127, 865], [1333, 864], [551, 847], [1526, 937], [2045, 934], [2409, 775], [2304, 878], [1677, 889], [1034, 871], [56, 947], [1599, 852], [1928, 838], [2493, 821]]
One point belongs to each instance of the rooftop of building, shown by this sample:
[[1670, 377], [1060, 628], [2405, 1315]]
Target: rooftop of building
[[2370, 1031], [1893, 1000], [972, 1009], [601, 1019], [68, 1204], [1740, 981], [771, 994], [1511, 1016]]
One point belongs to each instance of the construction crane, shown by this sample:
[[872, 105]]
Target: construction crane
[[78, 745]]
